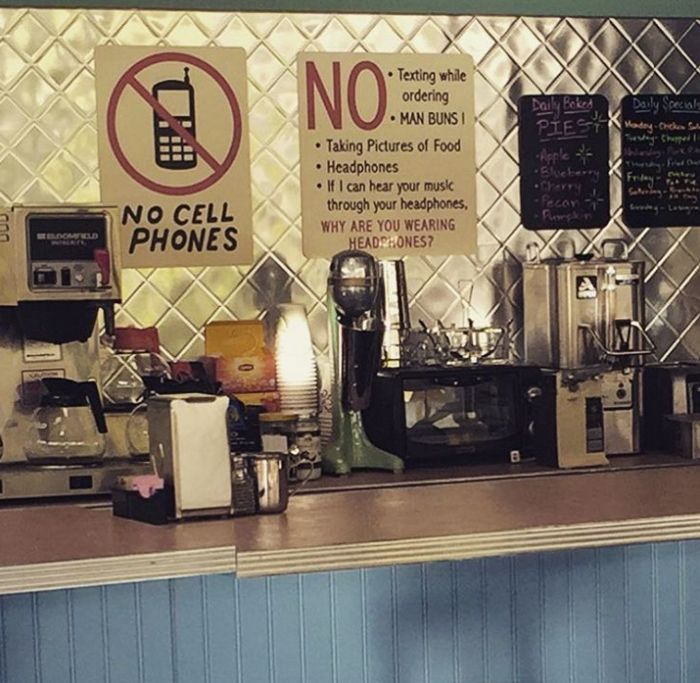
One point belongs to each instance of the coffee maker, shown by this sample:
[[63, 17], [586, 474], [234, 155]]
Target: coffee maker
[[584, 319], [59, 265], [356, 331]]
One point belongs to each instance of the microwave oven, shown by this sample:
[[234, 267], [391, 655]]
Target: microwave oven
[[453, 415]]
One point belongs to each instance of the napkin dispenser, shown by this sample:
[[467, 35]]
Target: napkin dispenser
[[189, 448]]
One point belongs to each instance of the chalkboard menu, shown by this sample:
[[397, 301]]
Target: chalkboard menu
[[661, 160], [564, 178]]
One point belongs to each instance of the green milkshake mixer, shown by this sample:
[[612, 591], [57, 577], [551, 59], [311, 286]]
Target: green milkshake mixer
[[356, 329]]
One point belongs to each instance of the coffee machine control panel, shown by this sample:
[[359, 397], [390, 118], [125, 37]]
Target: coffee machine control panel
[[68, 252]]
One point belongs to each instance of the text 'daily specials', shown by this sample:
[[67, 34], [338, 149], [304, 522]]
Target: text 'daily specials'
[[661, 160]]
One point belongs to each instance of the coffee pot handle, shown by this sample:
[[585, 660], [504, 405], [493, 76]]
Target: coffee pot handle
[[532, 252], [308, 474], [93, 397]]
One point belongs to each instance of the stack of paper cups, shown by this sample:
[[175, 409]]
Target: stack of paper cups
[[297, 371]]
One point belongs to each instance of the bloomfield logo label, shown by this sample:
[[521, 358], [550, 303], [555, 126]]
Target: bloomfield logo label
[[173, 148]]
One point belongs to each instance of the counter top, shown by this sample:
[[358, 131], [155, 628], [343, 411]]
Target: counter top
[[61, 546]]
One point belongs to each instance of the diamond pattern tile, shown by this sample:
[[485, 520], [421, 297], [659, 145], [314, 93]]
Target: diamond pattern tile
[[237, 34], [48, 152], [135, 31], [171, 283], [521, 42], [32, 93], [286, 39], [81, 37], [265, 119], [81, 147], [677, 69], [176, 334], [655, 43], [62, 174], [12, 120], [244, 302], [11, 65], [263, 66], [81, 92], [383, 37], [475, 40], [187, 32], [197, 306], [546, 68], [147, 306], [38, 192], [59, 64], [13, 176], [429, 38], [565, 42], [35, 147], [56, 21]]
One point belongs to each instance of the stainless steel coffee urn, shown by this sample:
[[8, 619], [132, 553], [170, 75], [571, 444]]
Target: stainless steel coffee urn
[[585, 315], [582, 311]]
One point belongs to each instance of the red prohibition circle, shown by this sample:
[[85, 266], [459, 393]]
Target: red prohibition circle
[[148, 183]]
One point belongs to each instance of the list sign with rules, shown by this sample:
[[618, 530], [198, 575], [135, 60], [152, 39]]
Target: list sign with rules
[[387, 153]]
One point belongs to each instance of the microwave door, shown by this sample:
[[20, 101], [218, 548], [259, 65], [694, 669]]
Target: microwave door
[[429, 413], [487, 407], [448, 417]]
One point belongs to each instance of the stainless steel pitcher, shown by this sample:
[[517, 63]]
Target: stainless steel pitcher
[[272, 480], [397, 320]]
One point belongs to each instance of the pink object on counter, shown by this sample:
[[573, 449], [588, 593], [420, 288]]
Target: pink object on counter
[[145, 484]]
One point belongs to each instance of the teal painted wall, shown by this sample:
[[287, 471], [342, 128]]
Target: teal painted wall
[[615, 615]]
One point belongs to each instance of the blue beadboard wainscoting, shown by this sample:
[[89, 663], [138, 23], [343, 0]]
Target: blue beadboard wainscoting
[[595, 615]]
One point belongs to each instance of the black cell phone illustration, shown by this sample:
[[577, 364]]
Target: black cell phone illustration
[[172, 151]]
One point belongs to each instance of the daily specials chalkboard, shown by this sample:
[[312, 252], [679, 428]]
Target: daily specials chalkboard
[[564, 180], [661, 160]]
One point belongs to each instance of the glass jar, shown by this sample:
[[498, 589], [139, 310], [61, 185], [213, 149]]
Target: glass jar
[[137, 432], [308, 441], [122, 375]]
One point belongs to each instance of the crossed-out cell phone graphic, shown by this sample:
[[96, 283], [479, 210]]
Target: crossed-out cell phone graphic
[[172, 151]]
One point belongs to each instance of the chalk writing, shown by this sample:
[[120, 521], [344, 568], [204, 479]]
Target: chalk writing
[[661, 160], [564, 178]]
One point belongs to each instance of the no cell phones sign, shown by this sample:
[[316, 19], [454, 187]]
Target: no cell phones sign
[[173, 143]]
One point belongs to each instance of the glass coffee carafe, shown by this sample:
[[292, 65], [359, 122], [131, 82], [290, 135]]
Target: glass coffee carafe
[[69, 424], [131, 360], [133, 355]]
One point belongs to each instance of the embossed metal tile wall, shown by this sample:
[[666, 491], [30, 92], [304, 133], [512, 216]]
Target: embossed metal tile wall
[[612, 615], [48, 150]]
